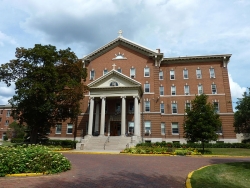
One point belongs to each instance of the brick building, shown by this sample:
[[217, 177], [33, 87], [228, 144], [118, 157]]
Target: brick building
[[135, 91], [5, 121]]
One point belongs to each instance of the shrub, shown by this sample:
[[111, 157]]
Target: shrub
[[31, 159], [63, 143], [17, 140], [5, 138]]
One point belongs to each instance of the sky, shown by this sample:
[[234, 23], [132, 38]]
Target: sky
[[177, 27]]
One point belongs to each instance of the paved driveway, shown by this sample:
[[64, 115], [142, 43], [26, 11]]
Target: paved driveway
[[89, 170]]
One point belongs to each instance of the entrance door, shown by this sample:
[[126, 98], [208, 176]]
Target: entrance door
[[115, 128]]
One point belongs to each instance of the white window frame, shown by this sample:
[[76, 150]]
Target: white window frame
[[186, 106], [186, 90], [119, 70], [147, 106], [174, 108], [162, 108], [147, 127], [8, 113], [214, 89], [163, 128], [161, 90], [146, 72], [216, 107], [212, 73], [161, 75], [7, 122], [92, 75], [173, 90], [69, 127], [185, 74], [147, 88], [175, 128], [198, 74], [200, 89], [105, 71], [131, 127], [172, 75], [132, 72], [58, 128]]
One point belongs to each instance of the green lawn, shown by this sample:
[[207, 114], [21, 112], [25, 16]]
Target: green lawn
[[6, 143], [229, 175], [229, 151]]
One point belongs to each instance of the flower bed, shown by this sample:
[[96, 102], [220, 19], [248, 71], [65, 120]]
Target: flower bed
[[31, 159], [161, 148]]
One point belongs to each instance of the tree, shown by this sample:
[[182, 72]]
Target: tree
[[18, 130], [201, 122], [49, 87], [242, 115]]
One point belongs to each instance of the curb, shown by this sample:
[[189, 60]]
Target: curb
[[188, 180], [24, 174]]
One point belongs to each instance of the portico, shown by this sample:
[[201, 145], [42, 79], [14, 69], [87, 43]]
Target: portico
[[112, 93]]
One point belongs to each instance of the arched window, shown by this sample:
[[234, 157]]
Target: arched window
[[113, 83]]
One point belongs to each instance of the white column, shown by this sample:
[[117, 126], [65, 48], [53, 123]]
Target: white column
[[103, 116], [123, 118], [97, 117], [136, 115], [139, 118], [91, 112]]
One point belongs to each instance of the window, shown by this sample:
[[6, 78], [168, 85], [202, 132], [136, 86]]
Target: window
[[174, 108], [118, 108], [214, 90], [161, 75], [173, 90], [132, 72], [8, 113], [1, 111], [185, 74], [147, 127], [175, 129], [119, 70], [131, 128], [92, 75], [161, 90], [162, 108], [146, 72], [146, 88], [186, 90], [7, 122], [200, 89], [212, 73], [0, 119], [198, 73], [69, 128], [216, 107], [147, 106], [131, 107], [113, 83], [105, 71], [219, 131], [58, 128], [172, 76], [163, 128], [187, 106]]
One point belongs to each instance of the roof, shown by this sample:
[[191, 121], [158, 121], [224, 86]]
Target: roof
[[120, 40]]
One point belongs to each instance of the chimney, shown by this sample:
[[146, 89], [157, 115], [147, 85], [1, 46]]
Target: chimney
[[158, 50]]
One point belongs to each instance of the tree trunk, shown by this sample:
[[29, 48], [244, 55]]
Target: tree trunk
[[33, 135]]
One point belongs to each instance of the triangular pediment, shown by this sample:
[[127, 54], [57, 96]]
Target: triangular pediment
[[114, 79], [124, 42]]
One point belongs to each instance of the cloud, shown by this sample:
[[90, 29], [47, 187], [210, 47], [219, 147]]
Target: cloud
[[236, 90], [6, 39]]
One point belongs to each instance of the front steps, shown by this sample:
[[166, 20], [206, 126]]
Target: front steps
[[102, 143]]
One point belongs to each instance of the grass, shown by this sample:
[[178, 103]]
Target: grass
[[228, 151], [236, 175], [6, 143]]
